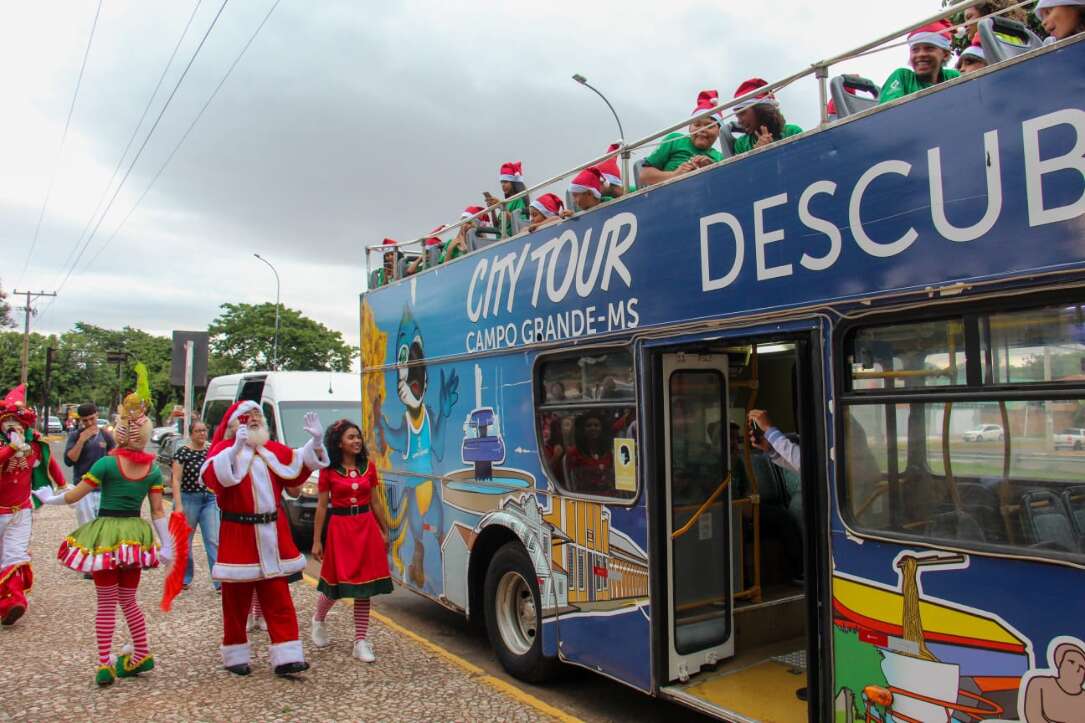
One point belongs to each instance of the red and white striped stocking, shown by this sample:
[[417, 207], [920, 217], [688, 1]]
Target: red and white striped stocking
[[105, 620], [361, 618], [257, 611], [323, 605], [137, 625]]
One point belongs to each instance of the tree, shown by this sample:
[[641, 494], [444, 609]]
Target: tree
[[1024, 15], [242, 338], [6, 320]]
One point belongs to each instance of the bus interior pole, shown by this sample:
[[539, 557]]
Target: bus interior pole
[[188, 389]]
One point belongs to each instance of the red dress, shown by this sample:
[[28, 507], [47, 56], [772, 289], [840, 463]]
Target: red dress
[[355, 557]]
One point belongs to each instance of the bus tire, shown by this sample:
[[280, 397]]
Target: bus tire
[[513, 615]]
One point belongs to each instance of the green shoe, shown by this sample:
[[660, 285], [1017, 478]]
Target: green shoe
[[105, 676], [126, 669]]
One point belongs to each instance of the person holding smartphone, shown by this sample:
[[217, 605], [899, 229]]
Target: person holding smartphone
[[87, 444], [512, 182], [765, 436]]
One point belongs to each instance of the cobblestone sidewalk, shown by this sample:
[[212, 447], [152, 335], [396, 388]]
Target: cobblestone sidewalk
[[47, 661]]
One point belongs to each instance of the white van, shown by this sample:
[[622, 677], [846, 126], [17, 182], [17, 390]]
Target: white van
[[285, 397]]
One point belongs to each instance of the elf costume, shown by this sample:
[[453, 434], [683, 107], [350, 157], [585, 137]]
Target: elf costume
[[119, 544], [25, 465]]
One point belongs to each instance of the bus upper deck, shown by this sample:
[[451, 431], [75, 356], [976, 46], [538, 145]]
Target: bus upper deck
[[560, 419]]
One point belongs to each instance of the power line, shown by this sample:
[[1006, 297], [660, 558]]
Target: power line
[[63, 140], [132, 138], [139, 153], [185, 135]]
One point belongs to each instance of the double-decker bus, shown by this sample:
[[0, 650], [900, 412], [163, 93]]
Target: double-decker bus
[[560, 420]]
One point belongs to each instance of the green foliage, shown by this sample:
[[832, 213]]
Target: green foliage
[[243, 336], [6, 319], [1022, 15]]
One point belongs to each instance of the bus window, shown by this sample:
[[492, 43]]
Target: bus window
[[905, 355], [586, 422], [978, 465]]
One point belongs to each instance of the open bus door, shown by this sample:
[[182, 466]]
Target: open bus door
[[700, 615]]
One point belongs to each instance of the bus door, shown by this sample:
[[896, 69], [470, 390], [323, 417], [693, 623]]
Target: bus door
[[698, 504]]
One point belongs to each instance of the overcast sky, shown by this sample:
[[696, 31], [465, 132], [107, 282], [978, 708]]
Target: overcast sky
[[345, 122]]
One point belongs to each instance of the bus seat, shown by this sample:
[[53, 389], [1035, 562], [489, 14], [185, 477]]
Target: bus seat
[[1074, 497], [433, 256], [845, 91], [727, 139], [1047, 522], [1004, 38], [637, 168], [517, 223], [401, 265], [954, 525], [482, 236], [374, 278], [570, 203], [980, 502], [769, 485]]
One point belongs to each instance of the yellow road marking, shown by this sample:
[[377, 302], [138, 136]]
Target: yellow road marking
[[478, 673]]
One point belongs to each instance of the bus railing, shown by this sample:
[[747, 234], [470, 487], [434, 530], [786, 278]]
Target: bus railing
[[819, 70]]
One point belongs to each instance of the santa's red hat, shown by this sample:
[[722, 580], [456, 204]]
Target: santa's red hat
[[749, 86], [610, 169], [14, 405], [16, 397], [590, 180], [939, 34], [512, 171], [232, 414], [472, 210], [707, 100], [548, 205]]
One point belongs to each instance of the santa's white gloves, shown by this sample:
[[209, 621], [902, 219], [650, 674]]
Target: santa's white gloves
[[46, 497], [162, 527], [312, 425], [241, 438]]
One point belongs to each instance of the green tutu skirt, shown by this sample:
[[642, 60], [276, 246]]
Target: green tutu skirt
[[110, 543]]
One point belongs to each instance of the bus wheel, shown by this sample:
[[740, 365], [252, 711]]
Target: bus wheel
[[513, 616]]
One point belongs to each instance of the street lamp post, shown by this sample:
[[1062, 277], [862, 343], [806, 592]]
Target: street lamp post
[[621, 134], [275, 342]]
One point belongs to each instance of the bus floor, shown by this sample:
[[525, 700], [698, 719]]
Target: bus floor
[[765, 678]]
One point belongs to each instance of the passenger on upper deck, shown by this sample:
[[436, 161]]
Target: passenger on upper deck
[[545, 210], [422, 261], [760, 118], [973, 15], [512, 182], [458, 246], [930, 51], [972, 58], [1061, 18], [387, 272], [680, 154], [612, 174], [587, 191]]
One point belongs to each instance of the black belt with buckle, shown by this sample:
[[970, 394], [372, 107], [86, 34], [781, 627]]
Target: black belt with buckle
[[118, 513], [260, 518], [352, 510]]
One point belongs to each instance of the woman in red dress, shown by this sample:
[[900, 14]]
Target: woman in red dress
[[354, 562]]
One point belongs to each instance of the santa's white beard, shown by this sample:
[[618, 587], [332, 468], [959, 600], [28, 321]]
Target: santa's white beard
[[258, 436]]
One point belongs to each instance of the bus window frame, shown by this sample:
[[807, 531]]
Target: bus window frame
[[988, 304], [633, 402]]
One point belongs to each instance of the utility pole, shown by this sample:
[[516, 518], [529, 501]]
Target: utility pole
[[49, 352], [28, 309]]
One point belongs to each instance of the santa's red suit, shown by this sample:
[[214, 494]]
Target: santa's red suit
[[25, 462], [256, 551]]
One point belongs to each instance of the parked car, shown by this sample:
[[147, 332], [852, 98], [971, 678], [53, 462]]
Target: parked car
[[985, 433], [105, 424], [167, 446], [158, 433], [53, 426], [284, 398], [1070, 438]]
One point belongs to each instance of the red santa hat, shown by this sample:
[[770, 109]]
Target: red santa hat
[[749, 86], [232, 415], [548, 205], [707, 100], [435, 240], [1044, 6], [512, 171], [975, 50], [590, 180], [14, 405], [939, 34], [389, 242], [472, 210], [609, 168]]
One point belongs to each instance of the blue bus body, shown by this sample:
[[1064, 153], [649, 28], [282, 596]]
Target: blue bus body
[[963, 193]]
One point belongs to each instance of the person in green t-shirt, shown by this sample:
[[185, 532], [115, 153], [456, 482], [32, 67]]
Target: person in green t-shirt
[[679, 154], [587, 191], [512, 182], [761, 118], [458, 246], [929, 52]]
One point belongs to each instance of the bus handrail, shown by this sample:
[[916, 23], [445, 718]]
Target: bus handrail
[[819, 69]]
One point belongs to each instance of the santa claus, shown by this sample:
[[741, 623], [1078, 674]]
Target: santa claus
[[25, 464], [248, 473]]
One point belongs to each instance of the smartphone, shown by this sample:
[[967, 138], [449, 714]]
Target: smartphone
[[758, 435]]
